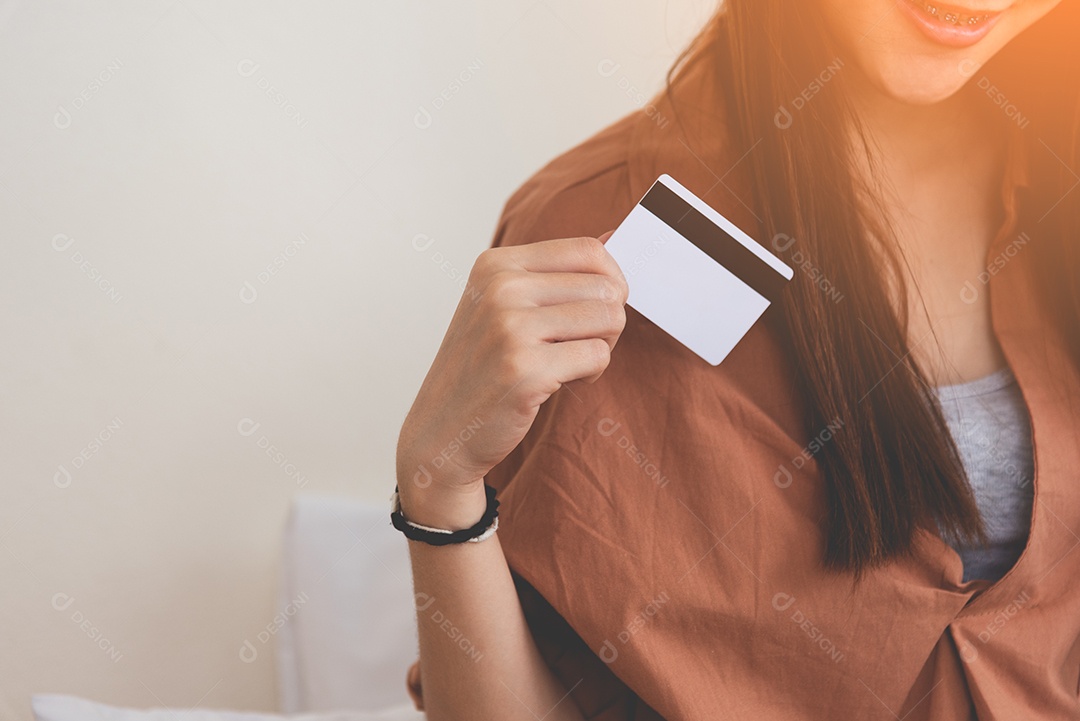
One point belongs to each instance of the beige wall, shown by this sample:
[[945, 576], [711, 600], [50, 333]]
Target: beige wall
[[156, 159]]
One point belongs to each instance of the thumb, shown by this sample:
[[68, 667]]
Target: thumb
[[603, 238]]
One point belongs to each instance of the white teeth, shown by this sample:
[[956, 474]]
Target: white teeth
[[950, 18]]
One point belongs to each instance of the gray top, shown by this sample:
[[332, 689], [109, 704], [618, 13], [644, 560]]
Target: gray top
[[990, 424]]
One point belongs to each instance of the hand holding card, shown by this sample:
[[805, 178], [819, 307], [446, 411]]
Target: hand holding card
[[692, 272]]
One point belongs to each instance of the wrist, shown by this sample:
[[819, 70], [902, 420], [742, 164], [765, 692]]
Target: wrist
[[452, 509]]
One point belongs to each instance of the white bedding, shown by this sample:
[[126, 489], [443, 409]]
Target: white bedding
[[56, 707]]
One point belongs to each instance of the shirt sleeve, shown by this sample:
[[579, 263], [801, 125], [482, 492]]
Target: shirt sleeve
[[598, 693]]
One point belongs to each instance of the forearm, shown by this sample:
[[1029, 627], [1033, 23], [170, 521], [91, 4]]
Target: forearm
[[478, 660]]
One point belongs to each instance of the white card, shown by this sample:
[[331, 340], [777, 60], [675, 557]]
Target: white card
[[692, 272]]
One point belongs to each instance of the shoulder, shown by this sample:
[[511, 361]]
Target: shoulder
[[585, 190]]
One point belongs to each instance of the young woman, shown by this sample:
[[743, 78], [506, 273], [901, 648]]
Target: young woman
[[871, 508]]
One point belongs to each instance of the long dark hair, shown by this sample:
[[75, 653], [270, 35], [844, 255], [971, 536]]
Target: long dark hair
[[893, 463]]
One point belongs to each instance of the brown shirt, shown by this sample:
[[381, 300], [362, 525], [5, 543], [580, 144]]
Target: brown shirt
[[664, 523]]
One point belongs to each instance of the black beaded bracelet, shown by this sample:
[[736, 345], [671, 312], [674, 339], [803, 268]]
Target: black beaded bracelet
[[482, 529]]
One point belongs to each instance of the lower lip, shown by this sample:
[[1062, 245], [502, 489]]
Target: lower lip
[[956, 36]]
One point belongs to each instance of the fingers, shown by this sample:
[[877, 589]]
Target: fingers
[[539, 289], [572, 321], [560, 302], [581, 255], [571, 360]]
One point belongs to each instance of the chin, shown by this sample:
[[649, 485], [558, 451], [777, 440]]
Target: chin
[[923, 83], [909, 64]]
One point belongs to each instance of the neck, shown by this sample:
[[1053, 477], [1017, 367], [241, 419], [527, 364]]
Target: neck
[[915, 144]]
